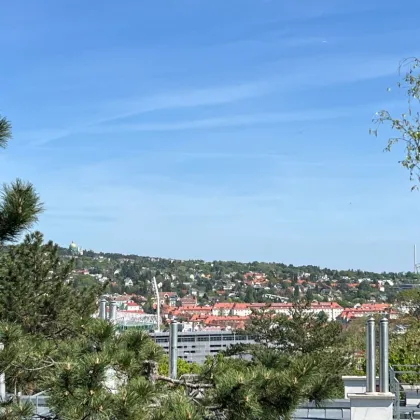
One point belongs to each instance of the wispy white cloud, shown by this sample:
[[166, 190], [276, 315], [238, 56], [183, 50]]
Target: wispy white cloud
[[242, 120], [329, 69], [42, 136], [284, 160], [185, 99], [232, 121], [192, 98], [312, 72]]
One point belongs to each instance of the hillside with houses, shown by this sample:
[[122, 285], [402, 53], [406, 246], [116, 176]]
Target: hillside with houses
[[223, 294]]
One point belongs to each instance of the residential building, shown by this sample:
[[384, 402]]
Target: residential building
[[128, 282], [222, 309], [241, 309], [168, 298], [360, 311], [189, 300]]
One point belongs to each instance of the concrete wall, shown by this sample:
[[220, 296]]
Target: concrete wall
[[356, 385], [375, 406]]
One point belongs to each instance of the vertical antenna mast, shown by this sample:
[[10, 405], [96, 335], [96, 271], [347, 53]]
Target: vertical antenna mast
[[415, 259], [158, 302]]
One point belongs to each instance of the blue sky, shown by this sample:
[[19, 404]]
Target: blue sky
[[212, 129]]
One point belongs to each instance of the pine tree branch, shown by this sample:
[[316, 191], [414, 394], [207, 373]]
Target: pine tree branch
[[5, 131], [151, 368], [20, 207], [33, 369], [180, 382]]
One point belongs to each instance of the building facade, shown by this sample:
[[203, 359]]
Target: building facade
[[197, 345]]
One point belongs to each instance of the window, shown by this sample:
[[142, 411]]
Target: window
[[186, 339], [228, 338], [215, 338]]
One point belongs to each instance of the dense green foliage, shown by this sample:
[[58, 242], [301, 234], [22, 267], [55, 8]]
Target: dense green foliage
[[183, 367], [300, 332], [36, 292], [410, 299]]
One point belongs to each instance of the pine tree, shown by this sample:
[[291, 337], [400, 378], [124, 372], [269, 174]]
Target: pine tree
[[20, 205], [297, 357], [106, 380], [256, 389], [36, 290], [299, 332]]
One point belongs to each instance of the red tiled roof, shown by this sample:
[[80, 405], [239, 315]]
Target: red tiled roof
[[221, 305], [367, 309], [241, 306], [128, 311], [225, 318], [168, 294]]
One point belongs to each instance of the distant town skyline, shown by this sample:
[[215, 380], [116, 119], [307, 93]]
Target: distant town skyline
[[230, 130]]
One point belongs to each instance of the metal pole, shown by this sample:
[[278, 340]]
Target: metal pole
[[370, 356], [102, 308], [2, 380], [157, 303], [173, 350], [113, 311], [384, 355]]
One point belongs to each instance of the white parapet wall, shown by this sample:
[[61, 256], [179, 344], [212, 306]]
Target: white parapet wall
[[355, 385], [412, 394], [371, 406]]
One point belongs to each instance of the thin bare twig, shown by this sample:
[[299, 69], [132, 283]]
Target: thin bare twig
[[180, 382]]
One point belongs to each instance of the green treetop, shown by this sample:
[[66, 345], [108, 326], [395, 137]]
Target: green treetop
[[36, 290], [20, 205], [407, 124]]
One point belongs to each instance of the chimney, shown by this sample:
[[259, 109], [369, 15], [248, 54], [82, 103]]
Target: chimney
[[173, 350], [102, 308], [113, 312], [2, 380], [370, 356], [372, 404], [384, 355]]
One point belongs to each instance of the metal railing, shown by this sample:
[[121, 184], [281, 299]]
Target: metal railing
[[397, 376], [332, 410], [39, 402]]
